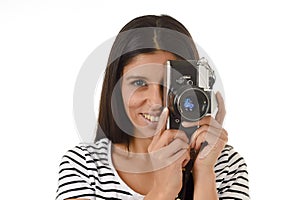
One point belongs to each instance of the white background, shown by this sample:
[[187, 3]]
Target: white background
[[255, 46]]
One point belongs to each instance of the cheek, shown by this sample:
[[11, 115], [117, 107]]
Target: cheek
[[131, 98]]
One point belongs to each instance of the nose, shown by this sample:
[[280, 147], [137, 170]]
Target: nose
[[154, 95]]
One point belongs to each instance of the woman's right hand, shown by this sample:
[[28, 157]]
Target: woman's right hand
[[169, 152]]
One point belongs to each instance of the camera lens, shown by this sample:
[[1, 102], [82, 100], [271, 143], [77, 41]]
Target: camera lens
[[192, 104], [188, 104]]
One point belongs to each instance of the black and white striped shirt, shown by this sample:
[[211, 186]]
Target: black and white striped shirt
[[87, 171]]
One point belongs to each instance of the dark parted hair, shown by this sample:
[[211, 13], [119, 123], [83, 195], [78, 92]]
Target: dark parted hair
[[145, 34]]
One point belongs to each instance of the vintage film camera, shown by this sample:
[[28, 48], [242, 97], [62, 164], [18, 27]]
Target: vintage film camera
[[188, 92]]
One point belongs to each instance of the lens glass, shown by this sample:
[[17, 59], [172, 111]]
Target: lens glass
[[193, 104], [188, 104]]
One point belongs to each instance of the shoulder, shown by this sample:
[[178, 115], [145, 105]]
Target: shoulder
[[85, 158], [86, 153], [79, 168], [230, 158], [231, 174]]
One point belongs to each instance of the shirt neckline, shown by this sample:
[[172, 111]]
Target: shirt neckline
[[109, 154]]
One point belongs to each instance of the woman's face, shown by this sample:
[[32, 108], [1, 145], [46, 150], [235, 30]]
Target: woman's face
[[142, 85]]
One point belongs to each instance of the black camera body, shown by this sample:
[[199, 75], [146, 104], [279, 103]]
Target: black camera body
[[188, 92]]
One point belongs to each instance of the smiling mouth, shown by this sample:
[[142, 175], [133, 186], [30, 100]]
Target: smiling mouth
[[150, 118]]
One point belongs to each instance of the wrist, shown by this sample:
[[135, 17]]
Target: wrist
[[205, 184], [204, 171], [204, 175]]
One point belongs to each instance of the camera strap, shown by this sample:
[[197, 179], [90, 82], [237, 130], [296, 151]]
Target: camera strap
[[187, 190]]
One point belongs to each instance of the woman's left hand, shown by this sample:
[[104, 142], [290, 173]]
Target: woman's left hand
[[215, 136]]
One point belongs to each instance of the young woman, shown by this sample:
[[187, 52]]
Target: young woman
[[134, 156]]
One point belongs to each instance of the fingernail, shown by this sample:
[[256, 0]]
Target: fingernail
[[165, 109], [164, 113]]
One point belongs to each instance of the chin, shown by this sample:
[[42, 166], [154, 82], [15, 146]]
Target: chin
[[146, 132]]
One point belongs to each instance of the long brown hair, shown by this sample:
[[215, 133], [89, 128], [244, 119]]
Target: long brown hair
[[143, 34]]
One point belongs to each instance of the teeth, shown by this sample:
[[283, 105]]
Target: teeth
[[151, 118]]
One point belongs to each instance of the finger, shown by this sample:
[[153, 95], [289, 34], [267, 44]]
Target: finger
[[198, 141], [213, 134], [207, 133], [180, 154], [163, 139], [176, 146], [168, 136], [208, 120], [185, 158], [221, 108], [213, 143], [224, 135], [220, 100], [161, 126], [198, 133], [169, 154], [212, 149], [182, 136]]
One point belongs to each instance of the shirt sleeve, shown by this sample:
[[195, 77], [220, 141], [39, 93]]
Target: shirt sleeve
[[232, 175], [75, 178]]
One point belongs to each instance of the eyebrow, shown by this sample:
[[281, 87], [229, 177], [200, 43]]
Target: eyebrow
[[136, 77]]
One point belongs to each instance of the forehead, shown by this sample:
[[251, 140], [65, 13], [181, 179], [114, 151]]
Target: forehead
[[148, 62]]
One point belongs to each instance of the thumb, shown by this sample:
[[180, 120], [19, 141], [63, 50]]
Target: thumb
[[161, 126]]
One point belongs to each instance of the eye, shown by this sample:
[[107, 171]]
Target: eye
[[139, 83]]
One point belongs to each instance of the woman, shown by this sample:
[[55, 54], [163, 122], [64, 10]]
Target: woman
[[134, 155]]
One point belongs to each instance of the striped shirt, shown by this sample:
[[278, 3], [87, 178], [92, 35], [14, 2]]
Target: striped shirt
[[86, 171]]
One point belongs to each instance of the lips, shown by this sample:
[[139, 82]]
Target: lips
[[151, 118]]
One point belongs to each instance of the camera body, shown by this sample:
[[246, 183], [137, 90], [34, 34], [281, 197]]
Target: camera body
[[188, 92]]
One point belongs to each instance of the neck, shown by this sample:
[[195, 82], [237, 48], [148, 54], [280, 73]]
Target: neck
[[136, 145], [139, 145], [137, 160]]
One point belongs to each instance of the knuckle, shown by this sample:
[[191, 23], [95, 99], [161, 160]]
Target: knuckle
[[176, 141], [180, 133], [167, 134], [150, 148]]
